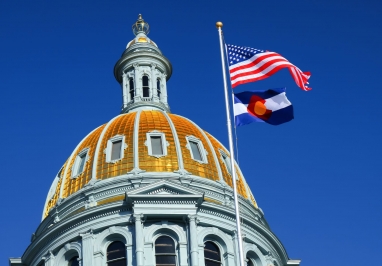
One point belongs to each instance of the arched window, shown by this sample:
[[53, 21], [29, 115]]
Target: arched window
[[74, 261], [158, 88], [249, 262], [165, 251], [116, 254], [132, 89], [145, 86], [211, 254]]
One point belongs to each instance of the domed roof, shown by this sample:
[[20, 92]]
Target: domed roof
[[136, 128]]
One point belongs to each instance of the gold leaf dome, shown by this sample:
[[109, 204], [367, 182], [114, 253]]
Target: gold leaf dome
[[134, 126]]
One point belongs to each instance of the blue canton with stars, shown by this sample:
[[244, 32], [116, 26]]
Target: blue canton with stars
[[237, 54]]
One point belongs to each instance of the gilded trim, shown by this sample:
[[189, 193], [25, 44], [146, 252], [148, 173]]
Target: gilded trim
[[70, 159], [95, 158], [176, 140], [135, 141], [212, 150]]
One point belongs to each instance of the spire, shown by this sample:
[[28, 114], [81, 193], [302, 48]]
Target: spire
[[143, 72]]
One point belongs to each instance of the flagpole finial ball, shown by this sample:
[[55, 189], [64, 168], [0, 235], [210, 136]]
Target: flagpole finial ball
[[219, 24]]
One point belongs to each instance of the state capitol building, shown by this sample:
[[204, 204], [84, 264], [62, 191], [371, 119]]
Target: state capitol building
[[149, 187]]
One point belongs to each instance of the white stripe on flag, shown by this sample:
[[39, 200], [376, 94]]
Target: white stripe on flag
[[240, 108], [277, 102], [274, 103], [258, 65], [250, 60], [262, 73]]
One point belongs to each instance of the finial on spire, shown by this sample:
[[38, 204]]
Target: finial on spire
[[140, 26]]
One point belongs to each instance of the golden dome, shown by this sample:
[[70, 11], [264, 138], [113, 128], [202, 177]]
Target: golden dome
[[176, 130]]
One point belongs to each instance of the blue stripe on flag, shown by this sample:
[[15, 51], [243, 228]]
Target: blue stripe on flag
[[245, 96]]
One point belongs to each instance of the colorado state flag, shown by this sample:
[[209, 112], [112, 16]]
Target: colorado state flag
[[271, 106]]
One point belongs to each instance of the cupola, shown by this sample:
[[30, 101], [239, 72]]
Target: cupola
[[143, 72]]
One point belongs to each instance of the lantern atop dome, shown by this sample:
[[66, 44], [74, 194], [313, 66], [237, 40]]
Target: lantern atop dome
[[141, 26]]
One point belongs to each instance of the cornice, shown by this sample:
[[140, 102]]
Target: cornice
[[99, 190], [141, 54]]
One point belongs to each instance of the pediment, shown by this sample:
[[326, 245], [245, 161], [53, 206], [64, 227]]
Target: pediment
[[164, 190], [164, 187]]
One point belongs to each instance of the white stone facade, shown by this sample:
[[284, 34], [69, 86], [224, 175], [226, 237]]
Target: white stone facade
[[181, 207]]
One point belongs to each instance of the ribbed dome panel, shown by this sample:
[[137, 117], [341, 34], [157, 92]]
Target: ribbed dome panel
[[122, 125], [72, 185], [185, 128], [148, 121]]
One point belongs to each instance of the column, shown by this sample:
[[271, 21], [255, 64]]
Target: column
[[154, 93], [138, 85], [129, 253], [193, 240], [124, 89], [49, 259], [139, 239], [164, 89], [235, 247], [98, 258], [87, 248]]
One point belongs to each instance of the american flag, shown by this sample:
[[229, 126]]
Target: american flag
[[249, 65]]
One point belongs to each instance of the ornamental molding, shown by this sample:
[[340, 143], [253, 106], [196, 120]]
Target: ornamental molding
[[163, 190], [142, 57], [107, 151], [67, 252], [216, 235], [164, 184], [54, 234], [164, 143], [113, 192], [162, 228], [113, 233], [252, 252], [76, 162], [90, 202], [202, 149], [165, 202], [185, 202]]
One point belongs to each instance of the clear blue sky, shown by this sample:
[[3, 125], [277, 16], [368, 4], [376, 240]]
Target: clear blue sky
[[318, 178]]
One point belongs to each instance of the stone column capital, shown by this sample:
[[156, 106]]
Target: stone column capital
[[138, 217], [48, 256], [193, 218], [86, 235]]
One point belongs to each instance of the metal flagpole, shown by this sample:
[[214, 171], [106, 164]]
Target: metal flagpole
[[219, 25]]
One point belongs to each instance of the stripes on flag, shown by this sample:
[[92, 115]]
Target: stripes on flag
[[249, 65]]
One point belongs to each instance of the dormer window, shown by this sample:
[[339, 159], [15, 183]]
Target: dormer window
[[145, 86], [198, 153], [195, 150], [131, 89], [158, 88], [115, 149], [227, 161], [156, 143], [79, 163]]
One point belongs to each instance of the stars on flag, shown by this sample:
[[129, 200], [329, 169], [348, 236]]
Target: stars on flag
[[249, 64], [240, 53]]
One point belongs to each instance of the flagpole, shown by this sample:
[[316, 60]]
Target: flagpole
[[219, 26]]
